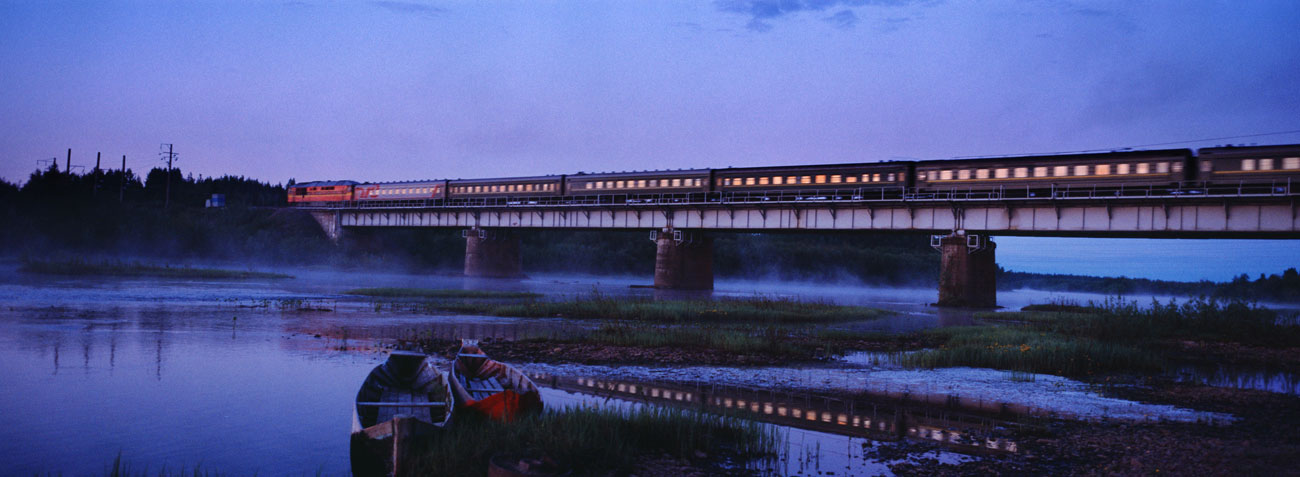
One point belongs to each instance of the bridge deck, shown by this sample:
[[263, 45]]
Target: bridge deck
[[1144, 212]]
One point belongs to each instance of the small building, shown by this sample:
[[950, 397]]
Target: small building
[[217, 200]]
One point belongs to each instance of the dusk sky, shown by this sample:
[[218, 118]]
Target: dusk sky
[[392, 90]]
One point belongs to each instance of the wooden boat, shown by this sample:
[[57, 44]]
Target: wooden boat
[[489, 387], [404, 398]]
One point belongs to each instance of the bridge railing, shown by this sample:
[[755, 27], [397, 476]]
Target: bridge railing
[[1046, 192]]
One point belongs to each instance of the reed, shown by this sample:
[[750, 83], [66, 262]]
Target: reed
[[1112, 336], [754, 310], [1020, 349], [739, 340], [78, 267], [592, 442], [395, 292]]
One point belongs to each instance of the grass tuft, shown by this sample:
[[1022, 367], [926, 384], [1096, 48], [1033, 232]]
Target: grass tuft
[[593, 442], [1112, 336]]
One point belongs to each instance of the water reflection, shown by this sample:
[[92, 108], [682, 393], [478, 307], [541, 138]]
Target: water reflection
[[863, 417], [1242, 377]]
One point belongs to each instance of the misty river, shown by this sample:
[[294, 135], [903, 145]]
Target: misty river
[[189, 373]]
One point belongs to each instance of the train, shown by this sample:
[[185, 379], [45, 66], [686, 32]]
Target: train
[[1244, 169]]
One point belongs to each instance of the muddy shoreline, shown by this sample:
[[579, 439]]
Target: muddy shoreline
[[1260, 442]]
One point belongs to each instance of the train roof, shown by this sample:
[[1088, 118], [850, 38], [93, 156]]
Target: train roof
[[387, 183], [842, 165], [665, 172], [1236, 150], [505, 179], [1041, 157], [323, 183]]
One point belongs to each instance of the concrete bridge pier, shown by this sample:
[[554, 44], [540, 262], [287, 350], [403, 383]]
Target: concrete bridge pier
[[329, 223], [683, 260], [967, 271], [492, 253]]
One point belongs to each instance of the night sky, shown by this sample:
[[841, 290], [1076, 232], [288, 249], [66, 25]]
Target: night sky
[[392, 90]]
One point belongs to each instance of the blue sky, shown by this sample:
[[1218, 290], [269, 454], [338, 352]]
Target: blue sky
[[392, 90]]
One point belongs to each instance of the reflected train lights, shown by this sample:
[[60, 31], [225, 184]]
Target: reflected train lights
[[783, 413]]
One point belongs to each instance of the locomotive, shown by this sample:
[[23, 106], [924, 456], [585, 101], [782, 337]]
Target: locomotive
[[1254, 169]]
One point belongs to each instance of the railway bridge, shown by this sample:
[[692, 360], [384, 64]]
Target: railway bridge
[[961, 223]]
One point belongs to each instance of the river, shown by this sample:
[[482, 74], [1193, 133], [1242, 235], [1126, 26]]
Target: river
[[210, 374]]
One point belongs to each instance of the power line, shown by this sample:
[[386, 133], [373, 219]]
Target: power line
[[1126, 148], [1293, 131]]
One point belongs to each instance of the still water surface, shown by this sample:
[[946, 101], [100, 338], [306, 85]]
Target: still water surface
[[178, 373]]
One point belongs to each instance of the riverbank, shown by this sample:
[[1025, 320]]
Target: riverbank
[[1261, 442]]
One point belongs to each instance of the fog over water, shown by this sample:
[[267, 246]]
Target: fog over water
[[184, 372]]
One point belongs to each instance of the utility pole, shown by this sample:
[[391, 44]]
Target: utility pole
[[68, 165], [121, 182], [96, 176], [168, 155]]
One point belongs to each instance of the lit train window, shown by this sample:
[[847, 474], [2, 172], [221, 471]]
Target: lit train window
[[640, 183], [963, 174], [609, 184], [1143, 168], [1266, 164], [1103, 169], [763, 180], [1040, 171], [836, 178], [790, 180], [749, 181], [866, 178], [920, 175], [1291, 163], [1176, 166], [677, 182], [620, 184], [805, 180], [655, 182], [945, 175], [1121, 169], [1247, 164], [891, 177], [777, 180], [851, 179], [821, 179], [600, 184], [1022, 172], [1162, 167], [981, 173], [587, 185], [1081, 170], [1061, 171], [902, 176], [1000, 173], [875, 178]]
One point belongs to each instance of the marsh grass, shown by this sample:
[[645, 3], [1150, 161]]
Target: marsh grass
[[78, 267], [1021, 349], [122, 469], [395, 292], [593, 442], [754, 310], [1112, 336], [740, 340]]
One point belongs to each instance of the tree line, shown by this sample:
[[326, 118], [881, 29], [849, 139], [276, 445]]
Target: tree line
[[117, 213]]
